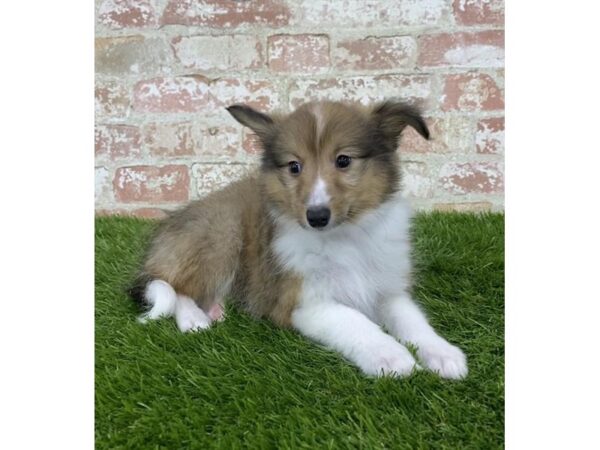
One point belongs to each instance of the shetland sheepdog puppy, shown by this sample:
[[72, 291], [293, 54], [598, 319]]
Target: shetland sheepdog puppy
[[317, 240]]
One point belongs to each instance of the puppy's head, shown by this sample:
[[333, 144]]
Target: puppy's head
[[328, 163]]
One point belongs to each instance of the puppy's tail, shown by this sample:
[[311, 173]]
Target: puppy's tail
[[137, 289], [157, 295]]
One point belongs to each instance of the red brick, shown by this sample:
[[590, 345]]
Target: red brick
[[416, 181], [464, 207], [218, 52], [145, 213], [197, 93], [210, 177], [490, 136], [149, 213], [306, 53], [132, 55], [475, 177], [477, 49], [111, 99], [152, 184], [250, 143], [126, 14], [260, 94], [226, 13], [102, 212], [471, 92], [413, 142], [376, 53], [479, 12], [180, 94], [368, 13], [169, 139], [118, 141], [221, 143], [452, 134], [363, 89]]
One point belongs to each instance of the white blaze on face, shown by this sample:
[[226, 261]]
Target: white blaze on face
[[319, 195], [320, 119]]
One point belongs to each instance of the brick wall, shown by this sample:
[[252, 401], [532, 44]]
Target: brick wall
[[165, 70]]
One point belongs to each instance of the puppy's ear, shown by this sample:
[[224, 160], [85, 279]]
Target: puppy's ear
[[258, 122], [392, 117]]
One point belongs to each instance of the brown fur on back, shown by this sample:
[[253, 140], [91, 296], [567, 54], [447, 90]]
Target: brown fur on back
[[223, 239]]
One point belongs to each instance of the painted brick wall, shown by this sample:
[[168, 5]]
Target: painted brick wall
[[165, 70]]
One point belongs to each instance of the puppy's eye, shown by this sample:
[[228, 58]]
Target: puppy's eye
[[295, 167], [342, 161]]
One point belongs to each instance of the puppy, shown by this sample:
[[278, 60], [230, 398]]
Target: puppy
[[316, 240]]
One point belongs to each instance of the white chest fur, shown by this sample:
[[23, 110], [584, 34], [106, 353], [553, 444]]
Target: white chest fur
[[354, 264]]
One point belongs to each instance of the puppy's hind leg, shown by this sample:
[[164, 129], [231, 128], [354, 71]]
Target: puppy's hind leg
[[216, 309], [165, 302], [189, 316], [161, 298]]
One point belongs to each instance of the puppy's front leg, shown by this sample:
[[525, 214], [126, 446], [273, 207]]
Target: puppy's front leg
[[404, 320], [351, 333]]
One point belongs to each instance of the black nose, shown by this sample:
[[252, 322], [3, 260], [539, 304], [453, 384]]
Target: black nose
[[318, 217]]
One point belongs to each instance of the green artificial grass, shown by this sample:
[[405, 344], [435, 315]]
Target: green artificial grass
[[246, 384]]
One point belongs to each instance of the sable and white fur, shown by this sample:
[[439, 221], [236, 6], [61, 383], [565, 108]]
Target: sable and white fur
[[340, 284]]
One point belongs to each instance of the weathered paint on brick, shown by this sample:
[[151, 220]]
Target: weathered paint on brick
[[250, 143], [371, 13], [257, 93], [111, 99], [198, 93], [210, 177], [452, 134], [126, 14], [490, 136], [363, 89], [226, 13], [472, 177], [132, 55], [223, 144], [218, 52], [305, 53], [416, 181], [102, 191], [158, 184], [479, 12], [118, 141], [473, 49], [180, 94], [376, 53], [471, 92], [169, 139]]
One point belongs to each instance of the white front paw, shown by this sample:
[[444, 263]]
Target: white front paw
[[390, 360], [444, 358]]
